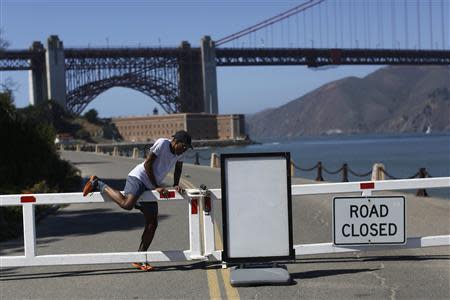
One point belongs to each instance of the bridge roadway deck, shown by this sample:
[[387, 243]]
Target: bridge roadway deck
[[402, 274]]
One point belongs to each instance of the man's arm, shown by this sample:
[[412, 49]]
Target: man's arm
[[177, 174], [148, 165]]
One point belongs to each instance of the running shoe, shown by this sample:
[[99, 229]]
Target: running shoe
[[90, 186], [142, 266]]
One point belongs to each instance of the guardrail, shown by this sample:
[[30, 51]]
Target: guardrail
[[201, 206]]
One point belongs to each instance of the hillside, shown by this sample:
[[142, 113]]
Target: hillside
[[394, 99], [87, 128]]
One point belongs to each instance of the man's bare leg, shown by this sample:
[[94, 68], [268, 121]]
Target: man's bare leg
[[127, 202], [94, 184], [151, 223]]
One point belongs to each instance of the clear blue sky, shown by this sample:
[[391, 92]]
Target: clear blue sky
[[82, 23]]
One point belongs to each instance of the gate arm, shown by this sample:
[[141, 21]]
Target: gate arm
[[50, 198], [382, 185]]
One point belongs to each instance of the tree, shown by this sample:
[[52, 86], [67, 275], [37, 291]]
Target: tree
[[6, 105], [30, 156], [92, 116]]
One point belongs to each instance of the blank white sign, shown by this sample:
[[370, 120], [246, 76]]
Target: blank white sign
[[257, 207]]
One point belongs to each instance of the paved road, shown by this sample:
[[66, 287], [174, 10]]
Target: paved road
[[399, 274]]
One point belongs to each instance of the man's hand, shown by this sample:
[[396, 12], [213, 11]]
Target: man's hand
[[163, 191]]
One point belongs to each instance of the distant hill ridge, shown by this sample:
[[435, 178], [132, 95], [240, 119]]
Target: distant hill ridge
[[393, 99]]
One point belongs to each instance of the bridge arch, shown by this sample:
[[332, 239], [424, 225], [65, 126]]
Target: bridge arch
[[163, 92], [170, 76]]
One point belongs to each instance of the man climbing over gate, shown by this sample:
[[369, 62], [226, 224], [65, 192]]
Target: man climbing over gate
[[149, 175]]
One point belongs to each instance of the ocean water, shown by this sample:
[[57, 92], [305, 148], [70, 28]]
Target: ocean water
[[402, 155]]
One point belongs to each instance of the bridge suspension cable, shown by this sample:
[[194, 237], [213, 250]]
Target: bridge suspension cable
[[268, 22], [351, 24]]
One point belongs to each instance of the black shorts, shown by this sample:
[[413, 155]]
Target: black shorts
[[136, 187]]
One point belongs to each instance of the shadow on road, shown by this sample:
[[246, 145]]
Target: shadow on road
[[80, 223], [373, 258], [325, 273], [17, 245], [95, 221], [90, 162], [4, 276], [10, 274]]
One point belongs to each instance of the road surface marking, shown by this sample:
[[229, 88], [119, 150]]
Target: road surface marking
[[212, 275], [232, 293], [213, 284]]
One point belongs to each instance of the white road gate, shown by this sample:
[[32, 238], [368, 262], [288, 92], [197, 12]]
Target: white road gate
[[366, 189], [28, 202], [201, 205]]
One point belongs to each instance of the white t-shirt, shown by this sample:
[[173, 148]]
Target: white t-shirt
[[164, 162]]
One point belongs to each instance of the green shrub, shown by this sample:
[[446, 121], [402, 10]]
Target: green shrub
[[29, 161]]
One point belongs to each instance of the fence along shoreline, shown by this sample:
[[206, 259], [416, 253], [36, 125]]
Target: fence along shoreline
[[378, 171]]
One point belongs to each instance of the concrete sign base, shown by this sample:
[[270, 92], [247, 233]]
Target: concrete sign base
[[262, 275]]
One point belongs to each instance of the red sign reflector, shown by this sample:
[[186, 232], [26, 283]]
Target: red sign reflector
[[194, 206], [170, 194], [367, 185], [27, 199]]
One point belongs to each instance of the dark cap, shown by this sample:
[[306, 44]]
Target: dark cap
[[183, 137]]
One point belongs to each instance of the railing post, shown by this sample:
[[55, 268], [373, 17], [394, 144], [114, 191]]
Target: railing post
[[115, 151], [422, 174], [135, 152], [345, 173], [377, 172], [214, 160], [292, 169], [319, 171], [196, 162], [194, 227]]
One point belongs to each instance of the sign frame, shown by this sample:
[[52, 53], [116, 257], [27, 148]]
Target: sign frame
[[369, 243], [226, 239]]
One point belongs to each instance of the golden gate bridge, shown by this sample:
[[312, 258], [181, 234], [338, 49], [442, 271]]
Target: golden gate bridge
[[183, 79]]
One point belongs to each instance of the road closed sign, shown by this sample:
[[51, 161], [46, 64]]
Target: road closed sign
[[369, 220]]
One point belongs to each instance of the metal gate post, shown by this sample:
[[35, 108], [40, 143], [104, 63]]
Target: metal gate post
[[194, 227], [29, 229], [208, 222]]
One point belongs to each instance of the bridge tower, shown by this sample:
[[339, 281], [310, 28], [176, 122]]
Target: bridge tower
[[56, 72], [190, 85], [37, 76], [208, 54]]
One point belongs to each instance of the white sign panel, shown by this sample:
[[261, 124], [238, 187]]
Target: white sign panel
[[256, 206], [369, 220]]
